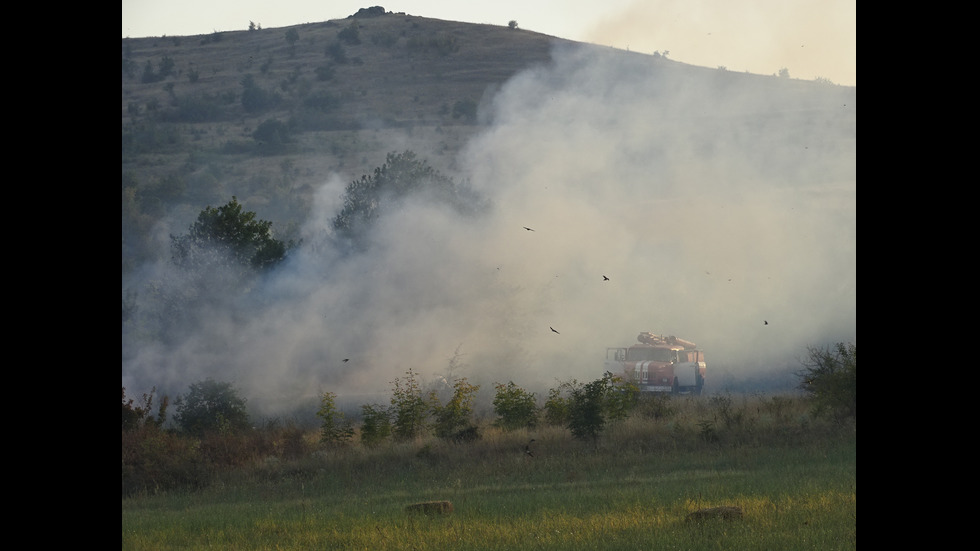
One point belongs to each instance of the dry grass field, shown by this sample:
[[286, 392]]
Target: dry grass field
[[742, 472]]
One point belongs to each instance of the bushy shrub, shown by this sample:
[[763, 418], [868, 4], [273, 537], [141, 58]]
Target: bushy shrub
[[376, 424], [592, 405], [585, 416], [335, 51], [212, 407], [351, 34], [409, 407], [515, 407], [456, 414], [829, 377], [272, 132], [135, 416], [335, 428], [556, 407], [255, 99], [155, 460]]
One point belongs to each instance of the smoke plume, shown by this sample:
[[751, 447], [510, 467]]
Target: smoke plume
[[721, 207]]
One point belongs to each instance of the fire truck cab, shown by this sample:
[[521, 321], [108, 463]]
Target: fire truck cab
[[660, 364]]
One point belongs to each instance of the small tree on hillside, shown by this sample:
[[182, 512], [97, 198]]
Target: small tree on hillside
[[229, 232], [401, 176], [256, 99], [272, 134]]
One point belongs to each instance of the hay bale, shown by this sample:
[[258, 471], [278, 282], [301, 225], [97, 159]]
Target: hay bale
[[723, 512], [431, 508]]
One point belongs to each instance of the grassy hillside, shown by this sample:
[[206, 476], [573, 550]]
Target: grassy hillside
[[343, 94], [346, 89]]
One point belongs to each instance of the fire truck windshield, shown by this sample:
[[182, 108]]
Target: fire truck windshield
[[649, 354]]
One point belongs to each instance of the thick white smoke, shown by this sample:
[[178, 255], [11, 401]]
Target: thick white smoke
[[713, 201]]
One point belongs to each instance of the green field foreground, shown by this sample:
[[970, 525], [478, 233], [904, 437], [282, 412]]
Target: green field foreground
[[793, 477]]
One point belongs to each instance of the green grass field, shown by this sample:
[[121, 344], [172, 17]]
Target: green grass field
[[793, 477]]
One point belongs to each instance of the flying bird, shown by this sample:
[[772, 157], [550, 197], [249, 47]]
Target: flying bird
[[764, 322], [553, 329], [527, 228], [604, 278], [346, 360], [527, 449]]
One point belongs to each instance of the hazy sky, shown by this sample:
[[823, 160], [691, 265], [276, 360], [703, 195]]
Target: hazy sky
[[810, 38]]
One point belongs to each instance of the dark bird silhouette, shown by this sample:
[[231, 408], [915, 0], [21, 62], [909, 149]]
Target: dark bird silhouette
[[764, 322], [346, 360], [527, 449], [553, 329], [604, 278], [527, 228]]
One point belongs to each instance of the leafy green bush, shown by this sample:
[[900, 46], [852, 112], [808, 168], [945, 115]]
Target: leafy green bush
[[585, 415], [334, 428], [592, 405], [376, 424], [556, 406], [829, 377], [409, 407], [155, 460], [135, 417], [212, 407], [515, 407], [456, 414]]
